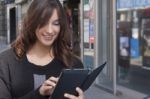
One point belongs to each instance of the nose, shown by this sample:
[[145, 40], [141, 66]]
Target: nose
[[50, 29]]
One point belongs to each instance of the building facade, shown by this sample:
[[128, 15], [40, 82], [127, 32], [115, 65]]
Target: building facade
[[3, 25], [117, 31], [133, 38], [15, 11]]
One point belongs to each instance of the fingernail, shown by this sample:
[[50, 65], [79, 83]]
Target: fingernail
[[65, 95], [77, 88]]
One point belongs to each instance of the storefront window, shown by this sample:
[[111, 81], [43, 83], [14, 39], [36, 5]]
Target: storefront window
[[133, 38], [89, 33]]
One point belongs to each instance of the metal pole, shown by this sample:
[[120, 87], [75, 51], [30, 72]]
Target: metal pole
[[82, 28], [114, 44]]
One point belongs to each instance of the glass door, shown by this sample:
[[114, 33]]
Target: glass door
[[98, 38], [105, 43]]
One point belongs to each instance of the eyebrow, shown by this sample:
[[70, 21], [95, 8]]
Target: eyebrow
[[57, 20]]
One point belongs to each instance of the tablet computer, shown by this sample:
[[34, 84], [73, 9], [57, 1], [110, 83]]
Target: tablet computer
[[71, 78], [68, 81]]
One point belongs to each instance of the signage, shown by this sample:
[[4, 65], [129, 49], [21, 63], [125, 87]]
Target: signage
[[124, 46], [8, 1], [86, 30], [132, 4], [134, 48], [20, 1]]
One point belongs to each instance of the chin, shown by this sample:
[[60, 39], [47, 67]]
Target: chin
[[47, 43]]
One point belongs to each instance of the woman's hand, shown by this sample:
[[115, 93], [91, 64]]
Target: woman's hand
[[48, 86], [80, 93]]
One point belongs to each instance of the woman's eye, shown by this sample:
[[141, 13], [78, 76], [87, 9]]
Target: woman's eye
[[56, 23]]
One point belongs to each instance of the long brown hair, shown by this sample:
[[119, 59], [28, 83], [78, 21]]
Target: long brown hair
[[37, 16]]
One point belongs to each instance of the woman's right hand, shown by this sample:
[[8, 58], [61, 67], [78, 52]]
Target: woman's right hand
[[48, 86]]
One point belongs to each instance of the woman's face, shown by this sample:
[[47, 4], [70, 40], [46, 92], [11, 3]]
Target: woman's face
[[48, 33]]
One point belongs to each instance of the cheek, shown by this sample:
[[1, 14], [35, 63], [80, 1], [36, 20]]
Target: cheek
[[57, 30], [40, 31], [38, 34]]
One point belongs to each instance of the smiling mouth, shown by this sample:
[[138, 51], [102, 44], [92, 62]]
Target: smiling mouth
[[48, 37]]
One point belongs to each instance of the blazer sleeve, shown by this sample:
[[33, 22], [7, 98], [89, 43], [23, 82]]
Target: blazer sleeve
[[33, 95], [5, 85], [4, 81]]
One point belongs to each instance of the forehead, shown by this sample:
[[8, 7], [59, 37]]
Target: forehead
[[55, 15], [49, 15]]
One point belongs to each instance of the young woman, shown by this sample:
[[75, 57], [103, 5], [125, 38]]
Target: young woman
[[31, 67]]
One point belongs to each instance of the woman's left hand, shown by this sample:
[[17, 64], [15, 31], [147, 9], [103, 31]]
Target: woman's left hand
[[80, 93]]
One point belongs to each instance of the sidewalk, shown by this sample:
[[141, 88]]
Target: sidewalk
[[95, 92]]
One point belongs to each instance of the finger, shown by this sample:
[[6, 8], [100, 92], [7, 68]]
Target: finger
[[49, 83], [80, 92], [70, 96], [54, 79], [48, 88], [45, 90]]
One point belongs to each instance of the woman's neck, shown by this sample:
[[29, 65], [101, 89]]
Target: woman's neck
[[39, 50], [40, 55]]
